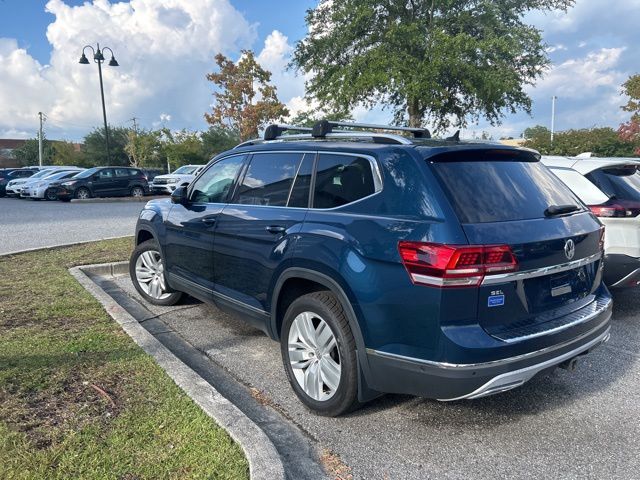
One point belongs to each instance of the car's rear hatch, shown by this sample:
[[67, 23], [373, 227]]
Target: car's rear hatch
[[506, 197]]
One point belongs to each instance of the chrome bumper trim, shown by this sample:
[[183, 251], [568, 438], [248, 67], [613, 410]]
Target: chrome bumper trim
[[540, 272], [475, 366], [510, 380]]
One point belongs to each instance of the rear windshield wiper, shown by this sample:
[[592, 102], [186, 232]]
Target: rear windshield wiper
[[554, 210]]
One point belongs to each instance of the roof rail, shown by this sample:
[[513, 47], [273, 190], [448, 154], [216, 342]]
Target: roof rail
[[321, 128]]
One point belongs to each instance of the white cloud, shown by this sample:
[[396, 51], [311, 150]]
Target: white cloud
[[164, 47]]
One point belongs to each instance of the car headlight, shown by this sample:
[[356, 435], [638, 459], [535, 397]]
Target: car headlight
[[172, 180], [67, 184]]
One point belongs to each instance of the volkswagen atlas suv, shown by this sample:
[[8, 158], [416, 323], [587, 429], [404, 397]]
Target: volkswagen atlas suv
[[383, 263]]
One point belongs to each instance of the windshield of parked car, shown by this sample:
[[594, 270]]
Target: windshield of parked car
[[621, 182], [483, 190], [185, 170], [87, 173], [42, 174], [62, 174]]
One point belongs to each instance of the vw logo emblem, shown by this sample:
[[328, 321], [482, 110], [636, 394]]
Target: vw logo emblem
[[569, 249]]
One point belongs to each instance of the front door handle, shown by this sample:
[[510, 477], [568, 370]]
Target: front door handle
[[275, 229], [210, 220]]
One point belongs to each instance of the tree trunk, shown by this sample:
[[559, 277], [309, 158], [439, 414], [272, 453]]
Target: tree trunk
[[415, 113]]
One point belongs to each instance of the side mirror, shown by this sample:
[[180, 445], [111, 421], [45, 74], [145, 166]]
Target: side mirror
[[179, 195]]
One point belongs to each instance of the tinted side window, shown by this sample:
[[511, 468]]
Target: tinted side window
[[216, 183], [105, 174], [300, 192], [268, 179], [341, 179], [123, 172], [621, 182]]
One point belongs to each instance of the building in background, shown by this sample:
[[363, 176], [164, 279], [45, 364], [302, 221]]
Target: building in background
[[7, 157]]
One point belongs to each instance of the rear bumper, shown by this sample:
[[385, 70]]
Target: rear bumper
[[621, 271], [392, 373]]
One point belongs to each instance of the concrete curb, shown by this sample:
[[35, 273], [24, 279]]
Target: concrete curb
[[61, 245], [118, 199], [263, 458]]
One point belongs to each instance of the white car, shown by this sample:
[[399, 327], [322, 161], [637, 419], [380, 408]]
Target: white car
[[610, 187], [180, 177], [14, 187], [40, 188]]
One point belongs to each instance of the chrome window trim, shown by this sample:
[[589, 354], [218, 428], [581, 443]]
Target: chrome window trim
[[540, 272], [474, 366]]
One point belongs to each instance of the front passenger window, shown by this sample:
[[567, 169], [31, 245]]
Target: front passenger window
[[216, 183]]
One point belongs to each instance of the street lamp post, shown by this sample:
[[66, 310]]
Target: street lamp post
[[98, 58]]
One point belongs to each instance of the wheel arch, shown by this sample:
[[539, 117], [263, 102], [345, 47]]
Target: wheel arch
[[325, 282]]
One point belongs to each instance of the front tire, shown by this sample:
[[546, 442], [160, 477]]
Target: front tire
[[319, 354], [50, 195], [146, 268], [83, 193], [137, 192]]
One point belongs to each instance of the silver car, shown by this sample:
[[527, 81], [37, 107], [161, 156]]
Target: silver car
[[46, 187]]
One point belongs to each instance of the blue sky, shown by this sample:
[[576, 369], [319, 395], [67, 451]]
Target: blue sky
[[165, 47]]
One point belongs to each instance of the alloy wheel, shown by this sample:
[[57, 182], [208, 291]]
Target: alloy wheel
[[83, 194], [150, 275], [314, 356], [137, 192]]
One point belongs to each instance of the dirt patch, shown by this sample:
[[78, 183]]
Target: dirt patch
[[45, 416], [334, 466]]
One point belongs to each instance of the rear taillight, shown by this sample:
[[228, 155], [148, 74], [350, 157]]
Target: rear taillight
[[616, 209], [441, 265]]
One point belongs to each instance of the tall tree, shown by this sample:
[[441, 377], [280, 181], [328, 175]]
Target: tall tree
[[144, 148], [67, 153], [444, 62], [630, 131], [182, 148], [602, 142], [94, 147], [245, 100], [28, 153], [216, 140]]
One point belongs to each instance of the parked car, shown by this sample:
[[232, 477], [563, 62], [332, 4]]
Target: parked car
[[152, 173], [10, 182], [179, 178], [381, 263], [45, 188], [611, 189], [104, 182]]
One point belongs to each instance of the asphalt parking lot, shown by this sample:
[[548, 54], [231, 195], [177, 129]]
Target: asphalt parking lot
[[581, 424], [29, 224]]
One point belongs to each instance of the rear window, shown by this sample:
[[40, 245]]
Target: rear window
[[583, 188], [622, 183], [501, 191]]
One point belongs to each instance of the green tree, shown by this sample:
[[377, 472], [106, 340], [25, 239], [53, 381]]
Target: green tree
[[95, 151], [28, 154], [602, 142], [182, 148], [67, 153], [307, 118], [538, 131], [244, 99], [217, 140], [630, 131], [145, 148], [444, 62]]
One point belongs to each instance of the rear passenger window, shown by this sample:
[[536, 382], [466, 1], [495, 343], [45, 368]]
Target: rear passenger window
[[123, 172], [341, 179], [268, 179]]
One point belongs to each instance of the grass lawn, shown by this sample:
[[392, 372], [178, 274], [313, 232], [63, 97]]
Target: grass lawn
[[78, 399]]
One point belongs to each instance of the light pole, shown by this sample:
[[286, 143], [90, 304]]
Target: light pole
[[553, 115], [98, 58]]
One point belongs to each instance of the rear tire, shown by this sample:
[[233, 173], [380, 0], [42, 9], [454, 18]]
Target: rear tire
[[137, 192], [319, 354], [146, 269]]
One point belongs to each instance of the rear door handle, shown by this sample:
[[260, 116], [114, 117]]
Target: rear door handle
[[275, 229]]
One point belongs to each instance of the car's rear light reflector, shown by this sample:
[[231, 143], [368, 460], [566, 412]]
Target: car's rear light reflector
[[625, 209], [442, 265]]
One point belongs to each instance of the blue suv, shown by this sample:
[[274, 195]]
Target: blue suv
[[383, 263]]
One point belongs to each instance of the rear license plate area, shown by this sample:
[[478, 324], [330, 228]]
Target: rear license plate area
[[561, 284]]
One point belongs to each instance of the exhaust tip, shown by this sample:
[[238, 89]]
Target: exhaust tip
[[569, 365]]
